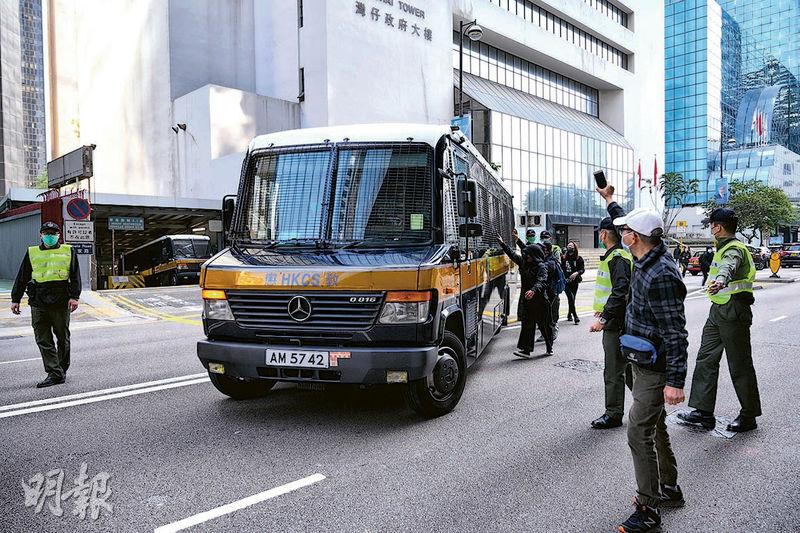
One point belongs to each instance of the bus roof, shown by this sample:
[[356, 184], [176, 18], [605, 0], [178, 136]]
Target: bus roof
[[430, 134], [187, 236]]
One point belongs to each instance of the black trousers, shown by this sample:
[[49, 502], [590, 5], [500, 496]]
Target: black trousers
[[705, 276], [536, 313], [47, 321], [572, 290], [555, 309]]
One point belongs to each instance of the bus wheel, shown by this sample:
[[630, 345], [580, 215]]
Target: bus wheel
[[240, 390], [438, 394], [173, 279]]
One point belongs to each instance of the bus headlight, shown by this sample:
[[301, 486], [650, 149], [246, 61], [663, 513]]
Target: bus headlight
[[215, 305], [406, 307]]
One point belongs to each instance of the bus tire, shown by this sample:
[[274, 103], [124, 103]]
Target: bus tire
[[240, 390], [438, 394], [173, 278]]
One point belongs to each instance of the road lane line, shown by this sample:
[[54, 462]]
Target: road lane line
[[240, 504], [101, 392], [20, 360], [96, 399], [778, 318]]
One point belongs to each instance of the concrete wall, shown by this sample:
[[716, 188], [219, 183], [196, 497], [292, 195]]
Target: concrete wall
[[220, 122], [211, 42], [12, 167], [16, 234]]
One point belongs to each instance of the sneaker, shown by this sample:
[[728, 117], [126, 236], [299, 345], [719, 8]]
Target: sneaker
[[549, 352], [699, 418], [525, 354], [671, 496], [643, 520]]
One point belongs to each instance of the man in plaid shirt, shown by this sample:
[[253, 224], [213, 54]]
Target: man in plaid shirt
[[655, 312]]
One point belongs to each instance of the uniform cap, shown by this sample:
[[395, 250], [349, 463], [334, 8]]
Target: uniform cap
[[722, 214], [607, 223], [50, 226]]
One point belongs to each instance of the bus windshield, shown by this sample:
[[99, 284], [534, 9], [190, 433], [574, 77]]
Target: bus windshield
[[190, 249], [369, 195]]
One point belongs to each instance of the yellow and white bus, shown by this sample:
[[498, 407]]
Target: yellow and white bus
[[359, 254], [168, 260]]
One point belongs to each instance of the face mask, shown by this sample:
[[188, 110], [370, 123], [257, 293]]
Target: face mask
[[50, 240], [625, 246], [602, 245], [531, 240]]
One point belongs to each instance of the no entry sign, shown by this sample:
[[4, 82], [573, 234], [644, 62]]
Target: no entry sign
[[78, 209]]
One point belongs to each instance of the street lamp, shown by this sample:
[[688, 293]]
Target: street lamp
[[731, 143], [474, 32]]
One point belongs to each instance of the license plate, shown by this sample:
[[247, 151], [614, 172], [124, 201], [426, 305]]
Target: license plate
[[297, 358]]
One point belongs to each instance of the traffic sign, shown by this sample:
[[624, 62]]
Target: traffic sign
[[78, 231], [83, 248], [78, 209], [126, 223], [775, 263]]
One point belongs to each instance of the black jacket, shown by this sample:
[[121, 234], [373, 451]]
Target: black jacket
[[569, 266], [705, 261], [533, 277], [614, 310], [51, 293]]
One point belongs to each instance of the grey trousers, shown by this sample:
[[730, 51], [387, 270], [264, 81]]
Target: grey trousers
[[653, 460]]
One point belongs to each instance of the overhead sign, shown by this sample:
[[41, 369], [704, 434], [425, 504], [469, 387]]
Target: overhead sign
[[83, 248], [78, 231], [70, 167], [126, 223], [78, 209]]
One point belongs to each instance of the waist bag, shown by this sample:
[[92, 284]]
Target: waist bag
[[638, 350]]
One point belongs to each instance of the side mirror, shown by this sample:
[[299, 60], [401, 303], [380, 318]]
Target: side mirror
[[228, 206], [470, 230], [467, 198]]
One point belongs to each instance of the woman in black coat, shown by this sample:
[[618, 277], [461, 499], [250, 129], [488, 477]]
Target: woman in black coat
[[533, 308], [573, 267]]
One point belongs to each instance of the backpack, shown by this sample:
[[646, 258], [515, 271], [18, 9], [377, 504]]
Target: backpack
[[559, 283]]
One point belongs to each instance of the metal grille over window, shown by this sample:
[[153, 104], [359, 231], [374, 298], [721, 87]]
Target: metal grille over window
[[344, 195], [383, 194]]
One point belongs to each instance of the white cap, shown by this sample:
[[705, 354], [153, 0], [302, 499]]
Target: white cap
[[645, 221]]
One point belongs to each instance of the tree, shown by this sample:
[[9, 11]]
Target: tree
[[675, 189], [41, 180], [759, 208]]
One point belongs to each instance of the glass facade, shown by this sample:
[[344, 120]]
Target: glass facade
[[32, 78], [731, 71], [506, 69], [561, 28], [549, 169]]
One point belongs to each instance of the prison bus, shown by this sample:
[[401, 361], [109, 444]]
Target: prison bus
[[168, 260], [363, 254]]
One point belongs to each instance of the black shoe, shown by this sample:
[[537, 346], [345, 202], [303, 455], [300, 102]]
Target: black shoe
[[643, 520], [671, 496], [607, 422], [742, 424], [49, 382], [699, 417], [525, 354], [540, 338], [577, 321], [549, 353]]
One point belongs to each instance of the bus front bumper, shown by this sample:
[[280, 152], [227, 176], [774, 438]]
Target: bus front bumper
[[363, 366]]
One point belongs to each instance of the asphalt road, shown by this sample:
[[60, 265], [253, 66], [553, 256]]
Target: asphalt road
[[516, 455]]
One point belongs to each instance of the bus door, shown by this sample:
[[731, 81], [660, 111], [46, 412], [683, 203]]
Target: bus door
[[469, 270]]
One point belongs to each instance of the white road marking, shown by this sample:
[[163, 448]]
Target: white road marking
[[778, 318], [20, 360], [240, 504], [61, 402]]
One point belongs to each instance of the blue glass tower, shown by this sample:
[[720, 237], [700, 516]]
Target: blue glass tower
[[731, 88]]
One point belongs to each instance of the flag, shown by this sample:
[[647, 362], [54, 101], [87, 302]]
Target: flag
[[639, 173], [757, 126], [655, 172]]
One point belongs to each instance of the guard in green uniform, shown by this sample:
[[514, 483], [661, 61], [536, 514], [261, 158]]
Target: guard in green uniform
[[49, 272], [610, 298], [728, 328]]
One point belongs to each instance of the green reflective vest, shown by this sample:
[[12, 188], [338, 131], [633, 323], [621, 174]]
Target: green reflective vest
[[603, 286], [734, 286], [51, 264]]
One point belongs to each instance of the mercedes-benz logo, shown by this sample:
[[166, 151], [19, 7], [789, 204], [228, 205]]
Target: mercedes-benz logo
[[299, 308]]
